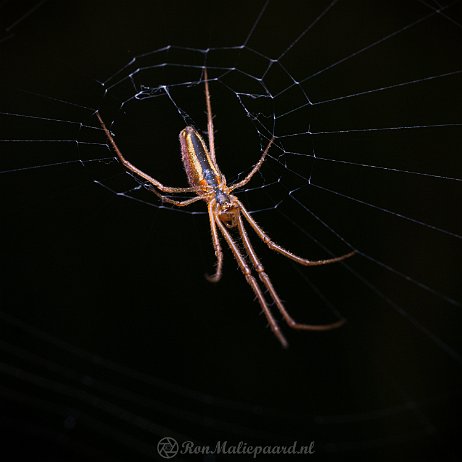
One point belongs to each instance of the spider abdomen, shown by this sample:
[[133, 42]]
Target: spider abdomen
[[199, 166]]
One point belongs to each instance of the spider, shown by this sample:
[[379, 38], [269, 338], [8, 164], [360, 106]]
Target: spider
[[226, 212]]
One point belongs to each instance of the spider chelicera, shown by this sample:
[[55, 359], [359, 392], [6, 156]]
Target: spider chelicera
[[227, 212]]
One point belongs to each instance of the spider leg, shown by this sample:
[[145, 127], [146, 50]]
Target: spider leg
[[128, 165], [174, 202], [252, 282], [267, 283], [216, 245], [255, 169], [273, 246], [209, 118]]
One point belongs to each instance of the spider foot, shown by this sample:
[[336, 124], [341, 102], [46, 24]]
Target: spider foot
[[213, 278]]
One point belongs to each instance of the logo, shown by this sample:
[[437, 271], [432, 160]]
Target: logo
[[167, 447]]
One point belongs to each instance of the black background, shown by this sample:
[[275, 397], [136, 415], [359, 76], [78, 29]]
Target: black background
[[113, 339]]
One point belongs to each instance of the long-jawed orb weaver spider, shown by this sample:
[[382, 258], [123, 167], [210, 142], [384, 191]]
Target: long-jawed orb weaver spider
[[226, 212]]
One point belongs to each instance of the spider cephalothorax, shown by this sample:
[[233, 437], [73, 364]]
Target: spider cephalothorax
[[228, 212]]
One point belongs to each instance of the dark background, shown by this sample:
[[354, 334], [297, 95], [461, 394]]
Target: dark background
[[112, 338]]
